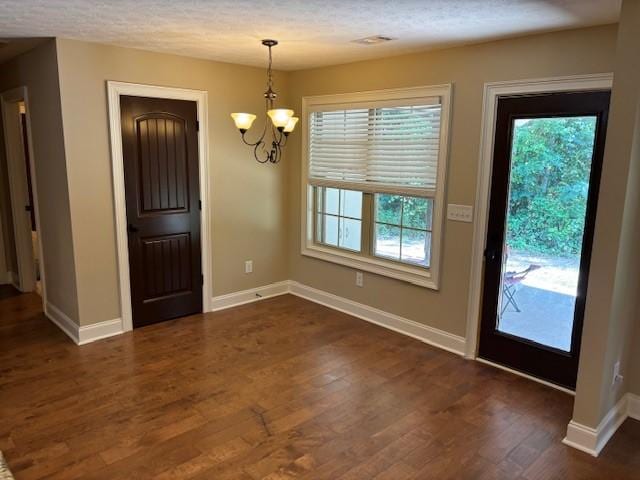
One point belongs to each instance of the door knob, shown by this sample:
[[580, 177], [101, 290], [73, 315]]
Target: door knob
[[490, 254]]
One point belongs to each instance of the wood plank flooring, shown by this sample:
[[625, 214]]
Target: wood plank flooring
[[279, 389], [8, 291]]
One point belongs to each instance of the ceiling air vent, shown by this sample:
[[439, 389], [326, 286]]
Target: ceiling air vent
[[374, 40]]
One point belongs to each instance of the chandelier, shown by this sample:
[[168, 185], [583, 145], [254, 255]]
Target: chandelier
[[282, 122]]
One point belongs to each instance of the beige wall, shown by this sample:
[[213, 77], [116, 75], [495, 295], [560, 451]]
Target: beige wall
[[611, 309], [468, 68], [248, 211], [38, 71]]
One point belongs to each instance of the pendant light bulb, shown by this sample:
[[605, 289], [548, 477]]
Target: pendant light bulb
[[280, 117]]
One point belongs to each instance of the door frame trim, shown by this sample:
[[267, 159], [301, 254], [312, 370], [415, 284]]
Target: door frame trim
[[114, 91], [26, 278], [492, 92]]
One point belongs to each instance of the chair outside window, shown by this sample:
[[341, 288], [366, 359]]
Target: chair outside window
[[510, 287]]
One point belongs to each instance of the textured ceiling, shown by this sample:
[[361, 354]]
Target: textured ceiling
[[311, 33]]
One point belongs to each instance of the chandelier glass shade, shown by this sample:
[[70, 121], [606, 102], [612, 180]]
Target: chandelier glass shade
[[243, 120], [279, 122]]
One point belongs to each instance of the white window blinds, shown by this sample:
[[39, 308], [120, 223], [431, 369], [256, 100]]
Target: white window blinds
[[387, 148]]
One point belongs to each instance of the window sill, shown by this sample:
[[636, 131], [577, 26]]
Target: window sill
[[414, 275]]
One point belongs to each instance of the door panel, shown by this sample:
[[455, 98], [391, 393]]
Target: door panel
[[166, 263], [548, 153], [159, 139], [162, 164]]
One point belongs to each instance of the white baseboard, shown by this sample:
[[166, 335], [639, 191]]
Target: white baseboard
[[13, 279], [593, 440], [633, 406], [85, 334], [82, 335], [424, 333], [247, 296], [98, 331], [419, 331], [582, 438], [63, 322]]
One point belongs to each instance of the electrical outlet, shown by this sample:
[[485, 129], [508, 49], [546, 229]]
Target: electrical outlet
[[460, 213], [617, 377], [359, 279], [248, 266]]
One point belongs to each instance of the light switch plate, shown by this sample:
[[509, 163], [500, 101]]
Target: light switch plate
[[460, 213]]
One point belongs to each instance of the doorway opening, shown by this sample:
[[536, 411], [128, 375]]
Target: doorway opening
[[21, 243]]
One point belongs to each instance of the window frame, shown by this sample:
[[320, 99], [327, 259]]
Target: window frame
[[417, 275]]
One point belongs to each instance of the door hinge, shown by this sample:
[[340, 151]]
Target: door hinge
[[200, 204], [197, 125], [201, 279]]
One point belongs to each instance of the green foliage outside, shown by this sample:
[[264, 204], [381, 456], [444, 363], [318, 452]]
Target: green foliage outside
[[551, 163], [416, 212]]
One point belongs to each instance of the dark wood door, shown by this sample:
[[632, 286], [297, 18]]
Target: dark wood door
[[548, 151], [160, 151]]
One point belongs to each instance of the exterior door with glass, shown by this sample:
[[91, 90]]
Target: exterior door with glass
[[548, 151]]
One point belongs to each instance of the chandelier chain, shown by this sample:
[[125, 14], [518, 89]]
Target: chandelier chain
[[269, 75]]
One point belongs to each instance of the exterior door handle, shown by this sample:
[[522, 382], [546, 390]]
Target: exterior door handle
[[490, 254], [132, 228]]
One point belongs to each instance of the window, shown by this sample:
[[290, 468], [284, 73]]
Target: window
[[373, 177], [339, 217], [403, 228]]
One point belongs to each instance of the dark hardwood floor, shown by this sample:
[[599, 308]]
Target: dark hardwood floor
[[8, 291], [279, 389]]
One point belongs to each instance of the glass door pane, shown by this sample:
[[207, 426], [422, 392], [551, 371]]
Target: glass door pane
[[547, 202]]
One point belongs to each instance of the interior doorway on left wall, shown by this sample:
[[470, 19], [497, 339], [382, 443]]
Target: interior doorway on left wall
[[20, 242]]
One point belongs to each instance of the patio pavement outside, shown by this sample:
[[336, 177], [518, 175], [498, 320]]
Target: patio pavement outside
[[546, 298]]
